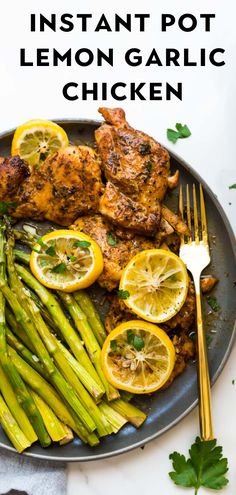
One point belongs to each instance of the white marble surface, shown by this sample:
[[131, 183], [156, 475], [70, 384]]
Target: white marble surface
[[208, 107]]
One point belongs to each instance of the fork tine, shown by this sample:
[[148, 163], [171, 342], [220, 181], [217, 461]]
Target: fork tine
[[188, 211], [195, 215], [203, 216], [181, 210]]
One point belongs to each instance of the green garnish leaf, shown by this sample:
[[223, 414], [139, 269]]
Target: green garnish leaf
[[123, 294], [82, 244], [72, 258], [138, 343], [213, 303], [149, 165], [182, 132], [144, 148], [43, 263], [233, 382], [134, 340], [233, 186], [59, 268], [113, 345], [205, 466], [130, 336], [208, 339], [42, 156], [6, 205], [51, 251], [111, 240], [193, 336], [40, 242], [126, 396]]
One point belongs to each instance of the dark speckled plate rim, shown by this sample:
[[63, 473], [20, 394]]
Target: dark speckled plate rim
[[196, 176]]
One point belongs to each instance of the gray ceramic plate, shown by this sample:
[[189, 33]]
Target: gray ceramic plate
[[168, 407]]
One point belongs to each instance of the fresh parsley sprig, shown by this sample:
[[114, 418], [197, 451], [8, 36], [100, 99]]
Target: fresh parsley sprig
[[5, 206], [213, 303], [181, 132], [205, 466]]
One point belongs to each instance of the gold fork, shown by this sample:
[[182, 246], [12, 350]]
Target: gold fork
[[194, 251]]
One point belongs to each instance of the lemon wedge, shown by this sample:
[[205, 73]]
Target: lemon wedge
[[155, 284], [138, 356], [35, 139], [66, 260]]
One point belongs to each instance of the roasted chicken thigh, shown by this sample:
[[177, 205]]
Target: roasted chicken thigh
[[116, 247], [67, 185]]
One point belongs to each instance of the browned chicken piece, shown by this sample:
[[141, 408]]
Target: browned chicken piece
[[207, 283], [184, 351], [118, 313], [67, 185], [174, 220], [13, 171], [174, 180], [171, 243], [132, 160], [185, 317], [124, 212], [116, 251]]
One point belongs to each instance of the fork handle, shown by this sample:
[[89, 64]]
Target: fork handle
[[205, 415]]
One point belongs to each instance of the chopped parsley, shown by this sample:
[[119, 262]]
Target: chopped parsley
[[123, 294], [72, 258], [233, 382], [51, 251], [113, 345], [193, 337], [213, 303], [59, 268], [6, 205], [82, 244], [144, 149], [182, 132], [208, 339], [42, 156], [111, 240], [149, 165], [134, 340], [43, 263], [126, 396], [233, 186], [205, 467], [40, 242]]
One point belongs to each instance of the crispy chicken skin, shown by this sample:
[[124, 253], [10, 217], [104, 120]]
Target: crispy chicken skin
[[185, 317], [124, 212], [208, 283], [132, 160], [13, 172], [174, 220], [115, 256], [67, 185]]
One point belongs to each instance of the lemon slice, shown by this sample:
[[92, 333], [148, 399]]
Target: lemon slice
[[155, 284], [35, 139], [138, 357], [66, 260]]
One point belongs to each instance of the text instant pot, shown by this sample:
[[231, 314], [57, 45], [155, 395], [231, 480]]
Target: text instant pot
[[132, 56]]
